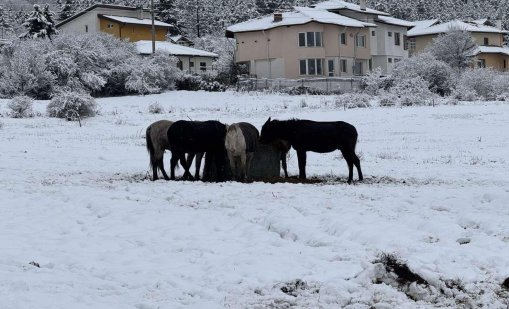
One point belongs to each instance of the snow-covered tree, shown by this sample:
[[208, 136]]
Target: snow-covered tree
[[456, 48], [40, 23], [67, 9], [5, 23]]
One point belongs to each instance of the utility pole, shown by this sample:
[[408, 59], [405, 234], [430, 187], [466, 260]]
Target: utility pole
[[153, 27]]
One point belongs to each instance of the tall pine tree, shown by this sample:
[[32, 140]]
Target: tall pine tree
[[40, 23]]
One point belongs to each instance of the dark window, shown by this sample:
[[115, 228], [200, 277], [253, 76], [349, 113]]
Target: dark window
[[390, 60], [343, 66], [505, 64], [191, 64], [310, 36], [373, 33], [358, 68], [179, 65], [486, 41], [397, 39], [303, 67], [405, 42], [311, 66], [481, 63], [390, 33], [302, 39], [86, 28], [343, 38], [318, 38], [203, 66], [319, 67]]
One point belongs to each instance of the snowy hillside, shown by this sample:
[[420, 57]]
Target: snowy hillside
[[77, 201]]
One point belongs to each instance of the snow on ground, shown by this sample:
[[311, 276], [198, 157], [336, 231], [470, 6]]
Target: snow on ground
[[78, 202]]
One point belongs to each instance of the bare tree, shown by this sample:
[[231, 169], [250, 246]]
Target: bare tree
[[456, 48]]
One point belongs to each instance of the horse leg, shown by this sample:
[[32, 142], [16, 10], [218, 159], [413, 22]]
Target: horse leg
[[301, 156], [248, 164], [199, 157], [161, 167], [190, 158], [187, 174], [231, 159], [349, 161], [283, 162], [357, 164], [173, 163], [243, 166]]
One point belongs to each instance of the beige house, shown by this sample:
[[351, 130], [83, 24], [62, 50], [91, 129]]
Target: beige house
[[306, 42], [491, 51]]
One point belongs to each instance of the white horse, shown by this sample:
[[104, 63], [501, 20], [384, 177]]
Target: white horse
[[241, 142]]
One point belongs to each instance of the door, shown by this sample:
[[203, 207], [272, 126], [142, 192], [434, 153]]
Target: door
[[331, 67]]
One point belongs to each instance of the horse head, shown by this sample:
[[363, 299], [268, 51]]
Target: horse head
[[268, 134]]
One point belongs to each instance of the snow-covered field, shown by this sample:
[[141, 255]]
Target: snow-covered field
[[78, 202]]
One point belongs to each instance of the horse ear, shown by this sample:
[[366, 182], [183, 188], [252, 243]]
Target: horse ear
[[268, 120]]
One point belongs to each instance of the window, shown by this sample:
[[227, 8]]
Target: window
[[302, 39], [330, 68], [389, 60], [203, 66], [310, 39], [311, 67], [110, 26], [405, 42], [358, 68], [343, 66], [360, 40], [486, 41], [397, 39], [179, 65], [396, 60], [481, 63], [191, 64], [373, 33], [390, 34], [411, 44], [343, 38], [505, 64], [86, 28]]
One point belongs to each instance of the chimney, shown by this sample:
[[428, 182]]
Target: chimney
[[498, 24], [363, 5], [278, 16]]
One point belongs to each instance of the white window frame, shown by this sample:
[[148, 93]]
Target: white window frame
[[397, 39], [315, 34], [343, 65], [360, 39], [316, 61]]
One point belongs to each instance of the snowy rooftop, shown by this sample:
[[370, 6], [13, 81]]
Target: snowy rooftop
[[343, 5], [395, 21], [492, 50], [145, 47], [300, 16], [136, 21], [454, 24]]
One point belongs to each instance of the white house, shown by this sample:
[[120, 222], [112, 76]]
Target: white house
[[191, 60], [388, 39]]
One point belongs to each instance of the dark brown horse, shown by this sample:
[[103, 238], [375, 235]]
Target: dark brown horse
[[321, 137], [196, 137]]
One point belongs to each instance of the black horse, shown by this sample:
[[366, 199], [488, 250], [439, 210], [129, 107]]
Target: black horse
[[321, 137], [196, 137]]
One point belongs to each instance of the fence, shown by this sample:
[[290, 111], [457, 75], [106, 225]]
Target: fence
[[329, 84]]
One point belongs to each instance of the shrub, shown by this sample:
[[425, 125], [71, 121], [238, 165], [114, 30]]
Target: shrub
[[388, 99], [21, 107], [412, 91], [72, 105], [188, 82], [353, 100], [155, 108], [372, 82], [301, 90], [480, 82]]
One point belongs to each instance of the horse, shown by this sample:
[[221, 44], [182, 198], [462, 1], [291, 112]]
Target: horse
[[241, 142], [284, 147], [321, 137], [157, 142], [196, 137]]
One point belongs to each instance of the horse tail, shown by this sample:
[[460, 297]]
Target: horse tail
[[150, 147]]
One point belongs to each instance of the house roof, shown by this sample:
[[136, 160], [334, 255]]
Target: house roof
[[454, 24], [300, 16], [395, 21], [145, 48], [135, 21], [343, 5], [492, 50], [178, 37], [93, 7], [422, 24]]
